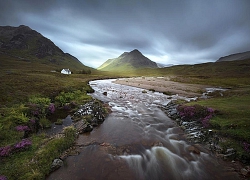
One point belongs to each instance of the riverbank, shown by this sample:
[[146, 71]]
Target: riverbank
[[164, 85]]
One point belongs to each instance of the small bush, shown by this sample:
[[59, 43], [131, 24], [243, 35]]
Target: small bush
[[40, 106], [44, 123], [59, 122]]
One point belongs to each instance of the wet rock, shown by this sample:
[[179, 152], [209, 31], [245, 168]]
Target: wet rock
[[245, 171], [83, 127], [173, 112], [230, 154], [194, 150], [105, 93], [57, 163], [89, 115], [158, 144], [194, 131]]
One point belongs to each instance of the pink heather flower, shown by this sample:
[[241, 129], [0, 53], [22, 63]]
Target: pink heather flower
[[3, 177], [33, 121], [5, 151], [246, 146], [210, 110], [22, 144], [52, 108], [198, 113], [22, 128]]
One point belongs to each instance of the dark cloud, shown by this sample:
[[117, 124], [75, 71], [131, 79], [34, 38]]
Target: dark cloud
[[166, 31]]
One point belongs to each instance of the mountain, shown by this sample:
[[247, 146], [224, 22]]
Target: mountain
[[128, 61], [234, 57], [25, 44], [160, 65]]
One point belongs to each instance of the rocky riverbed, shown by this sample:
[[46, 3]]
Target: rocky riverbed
[[136, 136], [207, 138]]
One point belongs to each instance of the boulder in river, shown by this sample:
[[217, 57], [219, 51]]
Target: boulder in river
[[57, 163]]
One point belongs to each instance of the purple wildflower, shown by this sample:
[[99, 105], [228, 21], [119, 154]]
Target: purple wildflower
[[3, 177], [5, 151], [246, 146], [196, 112], [52, 108], [22, 144], [33, 121], [22, 128], [205, 121], [187, 112], [210, 110]]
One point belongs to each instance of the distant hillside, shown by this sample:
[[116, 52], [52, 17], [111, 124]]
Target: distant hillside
[[28, 45], [128, 61], [160, 65], [234, 57]]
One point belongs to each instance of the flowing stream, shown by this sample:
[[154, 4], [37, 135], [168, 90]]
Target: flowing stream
[[137, 141]]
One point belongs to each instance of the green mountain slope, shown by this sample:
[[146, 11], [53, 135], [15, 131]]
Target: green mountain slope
[[28, 45], [128, 61]]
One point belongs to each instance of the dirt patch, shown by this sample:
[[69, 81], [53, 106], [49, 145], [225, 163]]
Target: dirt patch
[[165, 85]]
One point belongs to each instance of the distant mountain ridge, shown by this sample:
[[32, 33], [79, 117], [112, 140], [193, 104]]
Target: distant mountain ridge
[[24, 43], [235, 57], [128, 61]]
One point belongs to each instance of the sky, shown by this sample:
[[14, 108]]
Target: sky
[[165, 31]]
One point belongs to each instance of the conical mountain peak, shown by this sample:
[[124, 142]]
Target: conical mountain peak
[[128, 61]]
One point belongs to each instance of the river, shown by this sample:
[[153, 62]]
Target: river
[[137, 141]]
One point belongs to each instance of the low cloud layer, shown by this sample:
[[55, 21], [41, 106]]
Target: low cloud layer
[[166, 31]]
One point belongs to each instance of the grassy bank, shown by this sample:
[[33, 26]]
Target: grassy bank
[[231, 120], [31, 98]]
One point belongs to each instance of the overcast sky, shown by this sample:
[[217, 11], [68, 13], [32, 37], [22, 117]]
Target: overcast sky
[[166, 31]]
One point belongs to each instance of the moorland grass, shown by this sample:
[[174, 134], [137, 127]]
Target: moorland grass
[[35, 162], [26, 85], [232, 118]]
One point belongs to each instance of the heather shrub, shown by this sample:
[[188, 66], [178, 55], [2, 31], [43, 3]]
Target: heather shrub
[[21, 128], [3, 177], [246, 147], [19, 146], [40, 107], [22, 145], [196, 113], [5, 151]]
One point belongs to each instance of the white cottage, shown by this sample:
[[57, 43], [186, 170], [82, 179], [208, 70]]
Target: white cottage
[[65, 71]]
